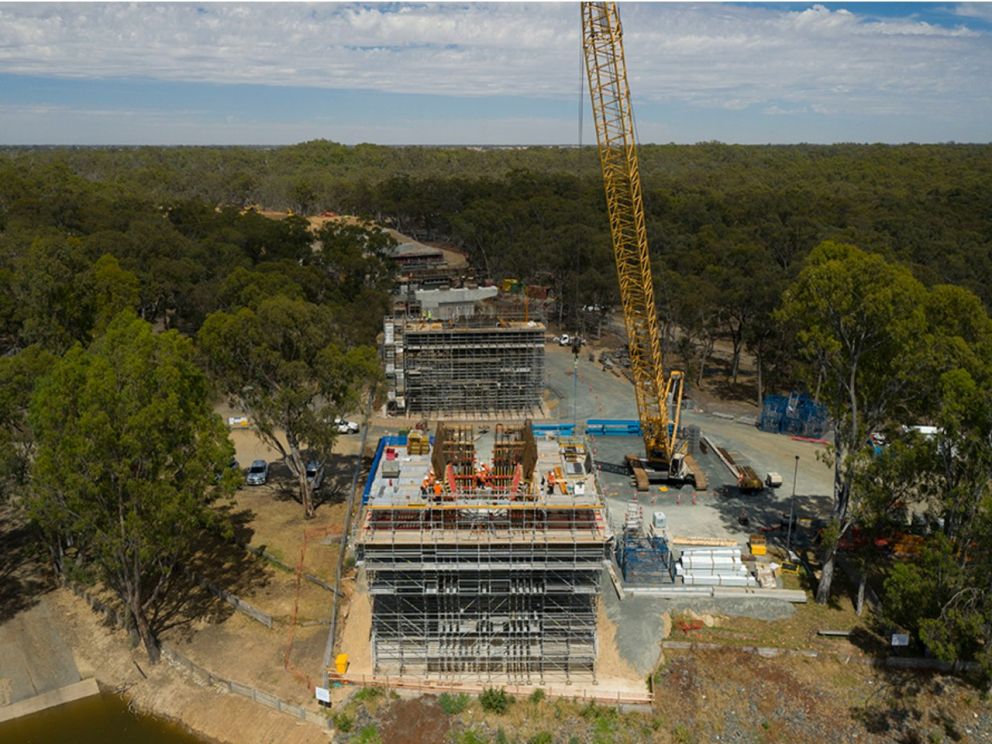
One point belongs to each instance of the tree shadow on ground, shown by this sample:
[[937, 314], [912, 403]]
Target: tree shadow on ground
[[239, 520], [221, 561], [24, 574], [762, 512], [893, 709], [338, 472], [744, 392], [870, 636]]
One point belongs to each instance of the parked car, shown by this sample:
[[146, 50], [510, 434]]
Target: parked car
[[258, 473], [315, 474], [345, 427]]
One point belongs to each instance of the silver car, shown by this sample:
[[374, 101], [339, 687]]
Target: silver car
[[315, 474], [258, 473]]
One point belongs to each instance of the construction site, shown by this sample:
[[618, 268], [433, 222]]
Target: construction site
[[452, 348], [483, 555], [484, 548], [475, 365]]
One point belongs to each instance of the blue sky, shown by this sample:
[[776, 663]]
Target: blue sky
[[472, 73]]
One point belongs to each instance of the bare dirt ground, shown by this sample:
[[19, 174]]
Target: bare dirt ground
[[356, 616], [413, 722], [609, 662]]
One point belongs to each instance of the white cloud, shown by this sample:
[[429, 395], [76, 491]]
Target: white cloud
[[982, 11], [713, 56]]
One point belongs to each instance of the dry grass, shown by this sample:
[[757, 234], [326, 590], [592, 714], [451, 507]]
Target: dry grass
[[798, 632], [276, 523]]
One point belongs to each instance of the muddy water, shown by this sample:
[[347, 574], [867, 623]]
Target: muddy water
[[101, 719]]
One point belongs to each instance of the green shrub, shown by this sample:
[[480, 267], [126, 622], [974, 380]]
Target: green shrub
[[367, 694], [537, 696], [343, 722], [453, 704], [368, 735], [542, 738], [682, 735], [471, 736], [501, 737], [589, 711], [494, 700]]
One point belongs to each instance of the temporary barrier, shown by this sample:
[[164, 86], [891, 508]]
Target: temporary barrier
[[613, 427]]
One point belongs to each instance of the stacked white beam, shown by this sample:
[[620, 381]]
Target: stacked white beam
[[705, 566]]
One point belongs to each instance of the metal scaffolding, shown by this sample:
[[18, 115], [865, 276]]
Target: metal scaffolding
[[488, 569], [475, 365]]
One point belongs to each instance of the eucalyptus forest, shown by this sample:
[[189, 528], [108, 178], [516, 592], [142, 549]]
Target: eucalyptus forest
[[862, 273]]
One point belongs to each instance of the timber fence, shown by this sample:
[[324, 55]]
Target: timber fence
[[207, 678], [114, 616], [235, 601], [111, 614], [267, 556]]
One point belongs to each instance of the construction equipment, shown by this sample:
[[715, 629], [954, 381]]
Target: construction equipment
[[659, 398], [748, 480]]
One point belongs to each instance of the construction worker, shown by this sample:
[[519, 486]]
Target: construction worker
[[551, 483], [438, 490]]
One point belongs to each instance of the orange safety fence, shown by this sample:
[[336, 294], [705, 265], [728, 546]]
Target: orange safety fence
[[316, 533]]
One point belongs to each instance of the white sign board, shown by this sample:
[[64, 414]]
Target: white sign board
[[900, 639], [322, 694]]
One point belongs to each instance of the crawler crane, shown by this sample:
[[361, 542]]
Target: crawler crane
[[659, 398]]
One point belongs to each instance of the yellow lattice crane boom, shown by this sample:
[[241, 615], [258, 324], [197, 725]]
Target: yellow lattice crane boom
[[659, 397]]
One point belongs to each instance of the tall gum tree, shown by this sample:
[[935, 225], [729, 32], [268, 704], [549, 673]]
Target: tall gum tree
[[129, 458], [861, 327], [283, 364], [942, 597]]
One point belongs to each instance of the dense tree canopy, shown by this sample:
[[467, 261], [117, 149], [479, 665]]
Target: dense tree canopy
[[129, 458], [730, 226], [861, 328]]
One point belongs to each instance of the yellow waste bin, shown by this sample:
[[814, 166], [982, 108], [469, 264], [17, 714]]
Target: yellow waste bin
[[759, 545], [341, 663]]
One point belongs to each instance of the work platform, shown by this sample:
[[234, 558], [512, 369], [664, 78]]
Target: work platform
[[484, 555]]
